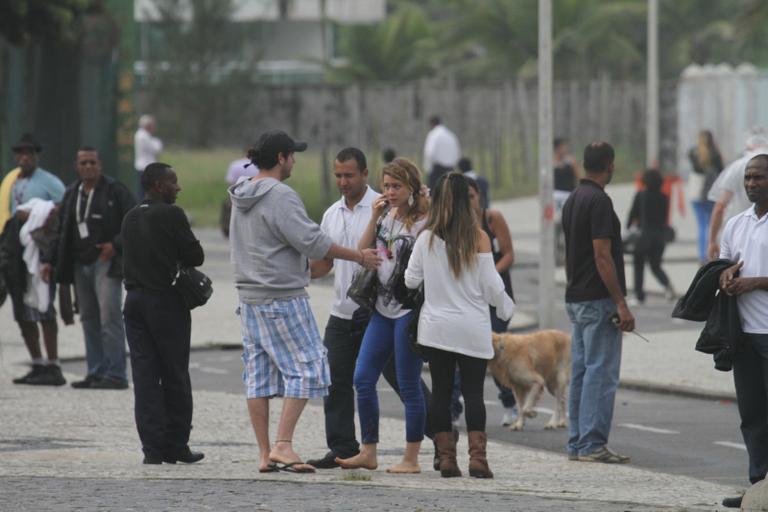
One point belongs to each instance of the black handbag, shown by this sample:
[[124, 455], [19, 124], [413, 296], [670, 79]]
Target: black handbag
[[194, 287], [417, 298], [364, 288]]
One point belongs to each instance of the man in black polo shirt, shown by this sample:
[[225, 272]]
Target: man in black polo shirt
[[595, 302], [157, 239]]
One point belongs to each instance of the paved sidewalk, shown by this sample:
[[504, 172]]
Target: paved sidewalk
[[59, 432]]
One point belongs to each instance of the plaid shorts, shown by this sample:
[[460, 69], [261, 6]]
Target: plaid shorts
[[283, 352]]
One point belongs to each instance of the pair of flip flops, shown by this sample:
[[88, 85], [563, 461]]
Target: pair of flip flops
[[288, 467]]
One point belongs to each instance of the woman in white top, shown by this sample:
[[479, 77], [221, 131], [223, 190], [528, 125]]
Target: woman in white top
[[453, 258], [397, 217]]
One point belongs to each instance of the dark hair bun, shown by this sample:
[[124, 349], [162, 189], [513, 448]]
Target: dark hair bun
[[252, 155]]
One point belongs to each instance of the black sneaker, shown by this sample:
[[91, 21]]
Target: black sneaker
[[732, 502], [327, 462], [36, 370], [50, 376], [86, 383], [110, 383]]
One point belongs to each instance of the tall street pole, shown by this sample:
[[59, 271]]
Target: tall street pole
[[652, 117], [546, 201]]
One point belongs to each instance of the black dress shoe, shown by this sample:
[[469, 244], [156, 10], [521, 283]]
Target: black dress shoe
[[109, 383], [86, 383], [37, 369], [152, 459], [327, 462], [187, 457], [732, 502]]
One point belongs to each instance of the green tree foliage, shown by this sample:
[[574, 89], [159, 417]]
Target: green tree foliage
[[498, 39], [21, 21], [402, 47]]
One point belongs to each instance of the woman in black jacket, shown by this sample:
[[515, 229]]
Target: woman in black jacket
[[649, 212]]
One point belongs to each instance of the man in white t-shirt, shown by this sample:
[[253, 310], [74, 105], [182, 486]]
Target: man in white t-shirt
[[345, 222], [728, 192], [745, 240], [146, 148], [441, 151]]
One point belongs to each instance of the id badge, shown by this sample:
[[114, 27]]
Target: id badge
[[82, 229]]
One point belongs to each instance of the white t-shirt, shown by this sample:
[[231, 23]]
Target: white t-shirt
[[345, 227], [732, 180], [441, 147], [455, 314], [388, 243], [745, 238], [146, 148]]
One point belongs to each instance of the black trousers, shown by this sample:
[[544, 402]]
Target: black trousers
[[750, 375], [650, 247], [343, 339], [442, 367], [435, 174], [158, 328]]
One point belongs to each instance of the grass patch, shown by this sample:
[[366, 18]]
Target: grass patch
[[356, 476], [202, 179]]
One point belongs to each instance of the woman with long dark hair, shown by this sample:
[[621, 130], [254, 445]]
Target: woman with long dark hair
[[452, 258], [707, 163], [649, 212]]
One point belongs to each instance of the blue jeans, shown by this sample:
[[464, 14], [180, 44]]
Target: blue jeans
[[100, 299], [383, 336], [595, 363], [703, 210]]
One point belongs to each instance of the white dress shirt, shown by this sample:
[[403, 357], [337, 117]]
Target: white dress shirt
[[146, 148], [745, 238], [455, 314], [345, 227], [441, 147]]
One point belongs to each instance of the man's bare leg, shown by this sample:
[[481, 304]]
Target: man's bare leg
[[31, 336], [258, 410], [50, 339], [283, 450]]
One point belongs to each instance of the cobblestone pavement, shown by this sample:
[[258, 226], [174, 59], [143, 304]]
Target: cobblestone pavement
[[101, 494]]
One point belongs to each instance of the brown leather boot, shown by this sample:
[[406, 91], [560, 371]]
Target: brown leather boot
[[446, 450], [478, 463]]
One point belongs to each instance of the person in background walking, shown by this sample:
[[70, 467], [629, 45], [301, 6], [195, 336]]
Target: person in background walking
[[441, 151], [396, 219], [706, 163], [565, 175], [453, 258], [649, 213], [388, 155], [157, 239], [146, 147], [466, 168], [594, 299]]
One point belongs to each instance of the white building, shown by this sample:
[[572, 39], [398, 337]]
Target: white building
[[283, 41]]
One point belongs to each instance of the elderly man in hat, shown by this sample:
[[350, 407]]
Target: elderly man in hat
[[30, 182]]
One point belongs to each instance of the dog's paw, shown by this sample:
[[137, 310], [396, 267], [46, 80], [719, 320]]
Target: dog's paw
[[530, 413], [550, 425], [516, 426]]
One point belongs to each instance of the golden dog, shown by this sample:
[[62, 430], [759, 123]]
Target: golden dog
[[526, 363]]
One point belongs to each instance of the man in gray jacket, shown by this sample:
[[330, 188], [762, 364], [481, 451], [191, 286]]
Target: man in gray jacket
[[271, 240]]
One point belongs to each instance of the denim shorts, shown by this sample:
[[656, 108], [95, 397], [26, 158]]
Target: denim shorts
[[283, 352]]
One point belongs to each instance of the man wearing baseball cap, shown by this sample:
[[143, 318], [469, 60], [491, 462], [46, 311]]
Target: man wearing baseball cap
[[272, 239]]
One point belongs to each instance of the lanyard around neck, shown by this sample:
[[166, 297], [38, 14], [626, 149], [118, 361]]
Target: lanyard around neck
[[87, 203]]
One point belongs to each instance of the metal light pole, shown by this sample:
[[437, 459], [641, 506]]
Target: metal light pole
[[546, 201], [652, 116]]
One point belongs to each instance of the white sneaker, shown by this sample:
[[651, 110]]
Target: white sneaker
[[510, 416]]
